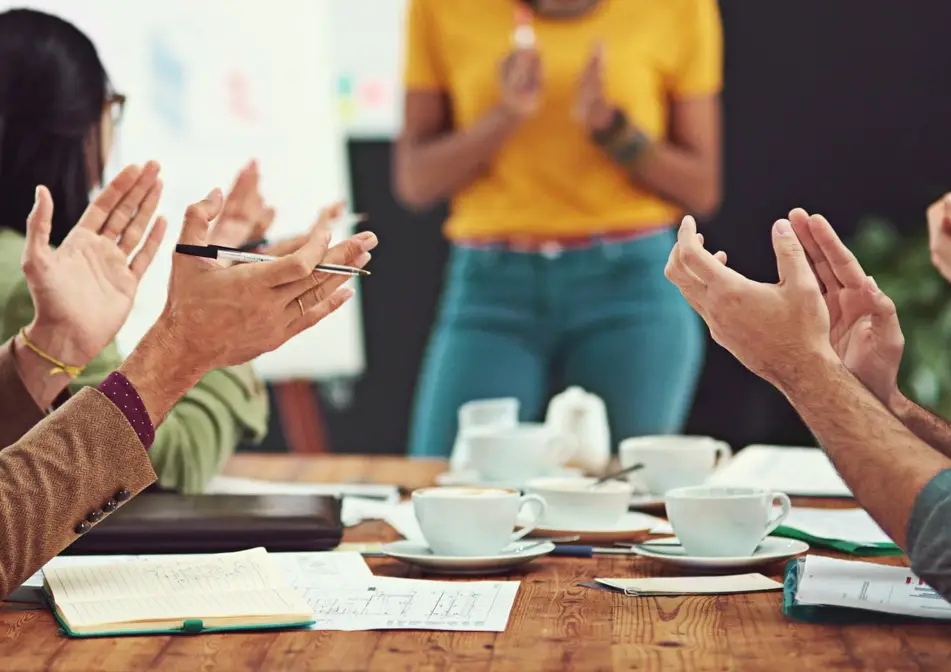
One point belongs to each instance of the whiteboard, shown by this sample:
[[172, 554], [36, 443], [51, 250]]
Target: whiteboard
[[211, 84], [368, 53]]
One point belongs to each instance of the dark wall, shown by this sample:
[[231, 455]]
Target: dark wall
[[841, 107]]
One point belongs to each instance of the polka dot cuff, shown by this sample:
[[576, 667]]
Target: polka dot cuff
[[122, 393]]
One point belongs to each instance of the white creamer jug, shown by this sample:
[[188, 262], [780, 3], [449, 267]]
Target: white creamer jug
[[582, 417]]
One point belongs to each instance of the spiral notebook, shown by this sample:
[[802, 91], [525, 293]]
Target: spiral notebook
[[211, 593]]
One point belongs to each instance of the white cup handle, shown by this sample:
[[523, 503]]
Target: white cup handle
[[786, 506], [723, 454], [542, 506]]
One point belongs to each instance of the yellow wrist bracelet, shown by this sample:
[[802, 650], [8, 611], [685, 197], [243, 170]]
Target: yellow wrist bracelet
[[58, 366]]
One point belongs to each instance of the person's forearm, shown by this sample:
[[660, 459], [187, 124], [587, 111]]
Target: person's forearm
[[160, 370], [931, 429], [884, 464], [35, 372], [429, 171]]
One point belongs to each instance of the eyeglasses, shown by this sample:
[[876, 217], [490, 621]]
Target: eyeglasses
[[115, 105]]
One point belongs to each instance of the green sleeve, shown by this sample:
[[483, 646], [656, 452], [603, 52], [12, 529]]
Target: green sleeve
[[226, 407]]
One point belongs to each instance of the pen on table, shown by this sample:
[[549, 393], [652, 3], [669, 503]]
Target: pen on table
[[568, 550], [236, 255]]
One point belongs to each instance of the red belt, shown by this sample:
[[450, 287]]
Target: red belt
[[559, 244]]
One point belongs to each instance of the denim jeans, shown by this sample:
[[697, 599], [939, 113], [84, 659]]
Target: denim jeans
[[518, 324]]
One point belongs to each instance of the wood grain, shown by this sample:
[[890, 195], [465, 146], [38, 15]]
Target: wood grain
[[556, 624]]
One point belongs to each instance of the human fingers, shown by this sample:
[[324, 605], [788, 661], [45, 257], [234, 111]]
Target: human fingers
[[144, 257], [694, 257], [94, 217], [300, 263], [721, 257], [263, 223], [317, 286], [315, 314], [843, 263], [39, 223], [130, 238], [799, 219], [791, 261], [126, 209], [885, 316], [245, 185], [693, 290], [198, 217]]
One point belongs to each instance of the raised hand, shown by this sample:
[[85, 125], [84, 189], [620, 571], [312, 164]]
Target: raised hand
[[592, 107], [520, 82], [864, 329], [83, 290], [244, 216], [218, 316]]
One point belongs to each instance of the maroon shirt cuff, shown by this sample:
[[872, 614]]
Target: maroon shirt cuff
[[122, 393]]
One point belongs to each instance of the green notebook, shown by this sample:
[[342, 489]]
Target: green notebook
[[206, 593], [851, 547]]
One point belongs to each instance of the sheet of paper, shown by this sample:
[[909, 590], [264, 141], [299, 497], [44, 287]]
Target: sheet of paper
[[853, 525], [866, 585], [694, 585], [361, 501], [805, 472], [390, 604]]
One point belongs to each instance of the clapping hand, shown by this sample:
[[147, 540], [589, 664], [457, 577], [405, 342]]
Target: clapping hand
[[592, 107], [244, 216], [864, 329], [939, 235], [83, 290]]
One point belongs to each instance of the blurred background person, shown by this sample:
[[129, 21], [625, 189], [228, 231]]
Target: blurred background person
[[567, 158], [57, 118]]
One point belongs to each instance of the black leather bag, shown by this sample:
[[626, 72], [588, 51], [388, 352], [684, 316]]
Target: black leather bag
[[170, 523]]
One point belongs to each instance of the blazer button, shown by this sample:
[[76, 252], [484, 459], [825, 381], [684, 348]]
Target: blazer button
[[94, 516], [82, 527], [122, 495], [110, 506]]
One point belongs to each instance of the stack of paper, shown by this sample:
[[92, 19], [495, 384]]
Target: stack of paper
[[816, 583], [805, 472]]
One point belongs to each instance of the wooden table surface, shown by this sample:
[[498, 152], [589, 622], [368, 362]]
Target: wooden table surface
[[555, 624]]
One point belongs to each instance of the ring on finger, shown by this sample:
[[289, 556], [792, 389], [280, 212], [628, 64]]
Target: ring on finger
[[300, 304]]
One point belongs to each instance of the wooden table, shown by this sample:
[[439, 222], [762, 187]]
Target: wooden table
[[555, 625]]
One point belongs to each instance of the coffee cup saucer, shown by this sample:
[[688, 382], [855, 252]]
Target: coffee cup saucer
[[669, 551], [472, 478], [632, 525], [418, 554], [646, 500]]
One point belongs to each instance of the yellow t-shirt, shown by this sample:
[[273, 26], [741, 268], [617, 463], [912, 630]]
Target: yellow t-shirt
[[549, 179]]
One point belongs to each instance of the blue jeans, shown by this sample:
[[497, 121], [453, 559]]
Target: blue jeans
[[515, 324]]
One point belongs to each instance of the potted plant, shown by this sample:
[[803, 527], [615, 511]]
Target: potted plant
[[901, 265]]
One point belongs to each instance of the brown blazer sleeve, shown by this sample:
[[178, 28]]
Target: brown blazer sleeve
[[56, 479], [18, 411]]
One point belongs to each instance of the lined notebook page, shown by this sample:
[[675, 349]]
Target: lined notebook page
[[181, 606], [225, 572]]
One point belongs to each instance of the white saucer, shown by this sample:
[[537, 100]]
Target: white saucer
[[418, 554], [631, 526], [471, 477], [773, 549]]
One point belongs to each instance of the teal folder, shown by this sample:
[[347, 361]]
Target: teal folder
[[817, 613], [850, 547]]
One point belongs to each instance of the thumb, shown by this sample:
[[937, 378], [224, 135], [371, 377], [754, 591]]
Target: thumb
[[39, 223], [791, 259], [198, 216], [883, 309], [946, 219]]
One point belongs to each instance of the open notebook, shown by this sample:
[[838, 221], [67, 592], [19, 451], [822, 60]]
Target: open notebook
[[227, 591]]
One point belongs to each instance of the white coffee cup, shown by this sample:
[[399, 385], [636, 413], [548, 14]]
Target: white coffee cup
[[574, 504], [672, 461], [478, 415], [717, 522], [518, 453], [472, 522]]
